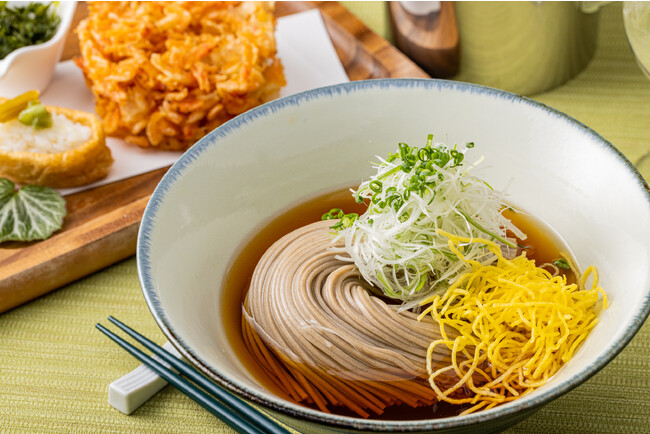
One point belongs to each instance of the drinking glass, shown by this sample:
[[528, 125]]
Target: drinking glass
[[636, 17]]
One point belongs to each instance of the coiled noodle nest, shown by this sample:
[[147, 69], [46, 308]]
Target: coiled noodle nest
[[324, 338]]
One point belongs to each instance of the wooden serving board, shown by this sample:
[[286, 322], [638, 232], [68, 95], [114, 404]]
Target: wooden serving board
[[102, 224]]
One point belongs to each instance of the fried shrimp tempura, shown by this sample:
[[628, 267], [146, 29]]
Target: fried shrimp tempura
[[164, 74]]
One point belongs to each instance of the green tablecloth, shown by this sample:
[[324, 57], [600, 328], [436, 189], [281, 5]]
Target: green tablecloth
[[55, 367]]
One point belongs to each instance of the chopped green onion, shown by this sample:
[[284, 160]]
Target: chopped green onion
[[344, 220], [375, 186], [415, 192], [562, 264]]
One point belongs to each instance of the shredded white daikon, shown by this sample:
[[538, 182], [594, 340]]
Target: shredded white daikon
[[415, 193]]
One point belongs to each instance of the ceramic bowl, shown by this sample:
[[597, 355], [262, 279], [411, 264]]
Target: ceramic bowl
[[32, 67], [238, 176]]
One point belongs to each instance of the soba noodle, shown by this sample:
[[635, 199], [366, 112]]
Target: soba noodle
[[332, 340]]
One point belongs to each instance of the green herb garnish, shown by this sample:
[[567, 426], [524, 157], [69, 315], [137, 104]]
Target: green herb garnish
[[35, 115], [31, 213], [562, 264], [345, 220], [422, 164], [27, 25]]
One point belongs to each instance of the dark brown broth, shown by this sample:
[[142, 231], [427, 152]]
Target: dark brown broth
[[543, 246]]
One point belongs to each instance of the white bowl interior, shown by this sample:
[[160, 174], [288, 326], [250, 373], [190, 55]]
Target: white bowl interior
[[261, 163]]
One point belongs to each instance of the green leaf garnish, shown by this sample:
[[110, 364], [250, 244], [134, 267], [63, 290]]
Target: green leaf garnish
[[31, 213]]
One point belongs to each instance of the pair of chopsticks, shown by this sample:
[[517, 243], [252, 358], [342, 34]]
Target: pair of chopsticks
[[230, 409]]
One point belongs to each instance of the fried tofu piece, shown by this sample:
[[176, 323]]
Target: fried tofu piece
[[81, 165]]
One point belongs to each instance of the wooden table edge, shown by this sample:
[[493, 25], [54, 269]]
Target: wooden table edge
[[105, 239]]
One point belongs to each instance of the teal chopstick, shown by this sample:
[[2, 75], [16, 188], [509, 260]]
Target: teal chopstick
[[224, 396], [231, 410]]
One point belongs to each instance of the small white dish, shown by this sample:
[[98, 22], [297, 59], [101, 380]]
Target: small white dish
[[32, 67], [243, 173]]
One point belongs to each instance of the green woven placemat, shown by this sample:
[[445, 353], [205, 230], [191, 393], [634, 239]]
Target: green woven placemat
[[55, 367]]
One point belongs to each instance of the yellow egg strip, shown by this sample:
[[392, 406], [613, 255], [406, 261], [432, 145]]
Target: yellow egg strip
[[516, 325]]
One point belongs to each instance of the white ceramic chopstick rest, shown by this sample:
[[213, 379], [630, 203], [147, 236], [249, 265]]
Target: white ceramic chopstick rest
[[138, 386]]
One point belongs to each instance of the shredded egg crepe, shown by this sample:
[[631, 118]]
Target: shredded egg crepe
[[516, 325]]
